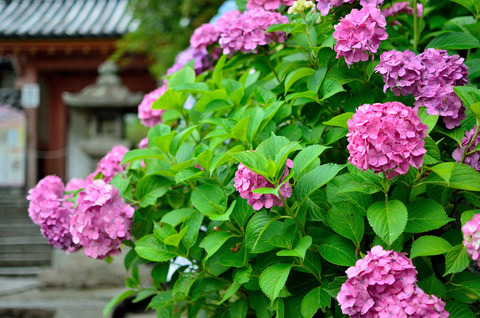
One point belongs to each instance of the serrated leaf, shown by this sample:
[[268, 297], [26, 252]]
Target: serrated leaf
[[465, 287], [213, 242], [457, 309], [117, 299], [300, 248], [209, 199], [388, 219], [425, 215], [432, 285], [456, 260], [339, 121], [454, 41], [468, 215], [151, 248], [346, 219], [315, 299], [331, 87], [273, 279], [305, 158], [316, 79], [455, 175], [150, 188], [429, 245], [338, 250]]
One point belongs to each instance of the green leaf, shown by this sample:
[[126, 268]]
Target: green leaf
[[427, 119], [305, 157], [176, 217], [188, 174], [273, 279], [117, 299], [151, 248], [193, 222], [315, 299], [209, 199], [196, 88], [183, 76], [218, 71], [241, 211], [473, 7], [456, 260], [183, 284], [169, 100], [300, 248], [432, 285], [139, 154], [388, 219], [239, 131], [346, 219], [425, 215], [163, 230], [465, 287], [212, 101], [213, 242], [340, 120], [457, 309], [454, 41], [429, 245], [232, 289], [161, 300], [314, 179], [180, 138], [455, 175], [469, 95], [296, 75], [338, 250], [175, 239], [150, 188], [455, 134], [253, 160], [256, 226], [316, 79], [330, 88]]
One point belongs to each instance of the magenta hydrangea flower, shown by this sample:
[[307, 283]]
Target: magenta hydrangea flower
[[471, 238], [383, 284], [248, 32], [151, 117], [472, 159], [386, 138], [324, 6], [102, 220], [110, 165], [143, 144], [401, 71], [268, 5], [402, 7], [247, 180], [359, 34], [49, 208], [441, 73], [203, 60], [205, 35]]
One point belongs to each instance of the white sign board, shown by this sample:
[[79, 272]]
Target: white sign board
[[30, 95]]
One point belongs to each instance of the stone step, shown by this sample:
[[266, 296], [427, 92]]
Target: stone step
[[25, 248], [23, 240], [22, 271], [25, 259], [26, 231]]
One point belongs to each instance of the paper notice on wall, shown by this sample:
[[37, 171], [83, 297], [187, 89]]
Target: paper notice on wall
[[12, 147]]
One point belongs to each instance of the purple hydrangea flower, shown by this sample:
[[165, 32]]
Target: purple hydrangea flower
[[401, 71], [472, 159], [471, 238], [247, 180], [203, 60], [383, 284], [102, 220], [402, 7], [386, 138], [151, 117], [228, 19], [324, 5], [359, 34], [49, 208], [248, 32], [205, 35], [269, 5], [109, 165], [441, 73]]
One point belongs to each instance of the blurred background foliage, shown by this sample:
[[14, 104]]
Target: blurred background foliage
[[164, 29]]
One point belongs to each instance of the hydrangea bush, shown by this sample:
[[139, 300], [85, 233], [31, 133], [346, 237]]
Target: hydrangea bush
[[326, 164]]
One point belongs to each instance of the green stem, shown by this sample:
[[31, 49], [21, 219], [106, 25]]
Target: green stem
[[415, 25], [270, 64], [470, 143], [290, 213]]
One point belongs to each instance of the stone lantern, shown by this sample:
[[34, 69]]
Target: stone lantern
[[97, 119]]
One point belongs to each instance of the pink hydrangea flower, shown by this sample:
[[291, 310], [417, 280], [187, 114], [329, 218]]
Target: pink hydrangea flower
[[109, 165], [359, 34], [247, 180], [268, 5], [49, 209], [151, 117], [203, 60], [324, 6], [102, 220], [401, 71], [471, 237], [441, 73], [386, 138], [205, 35], [248, 32], [228, 19], [473, 159], [383, 284], [76, 184], [402, 7], [143, 144]]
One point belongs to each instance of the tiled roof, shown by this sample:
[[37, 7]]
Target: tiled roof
[[65, 18]]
